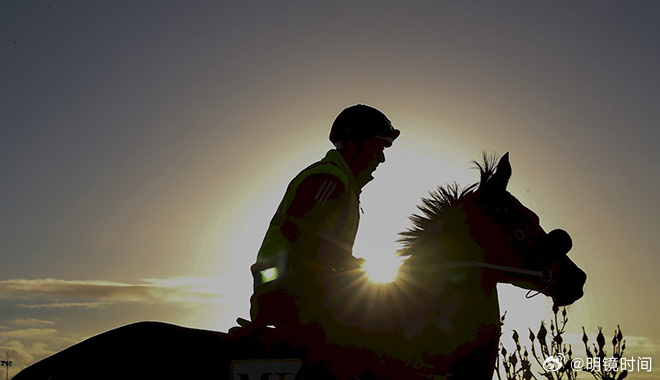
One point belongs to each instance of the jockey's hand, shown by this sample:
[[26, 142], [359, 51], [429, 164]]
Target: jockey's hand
[[355, 263], [349, 263]]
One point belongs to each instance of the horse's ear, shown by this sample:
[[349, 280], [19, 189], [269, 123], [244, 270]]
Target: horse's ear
[[498, 182]]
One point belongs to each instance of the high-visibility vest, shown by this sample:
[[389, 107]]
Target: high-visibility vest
[[335, 233]]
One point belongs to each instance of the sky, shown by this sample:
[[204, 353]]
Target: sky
[[144, 146]]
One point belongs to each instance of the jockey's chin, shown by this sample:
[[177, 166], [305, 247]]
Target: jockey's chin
[[364, 177]]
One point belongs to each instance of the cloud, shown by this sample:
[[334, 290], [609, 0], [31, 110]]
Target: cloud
[[642, 346], [30, 339], [56, 293], [31, 322], [64, 305], [26, 346], [27, 334], [101, 290]]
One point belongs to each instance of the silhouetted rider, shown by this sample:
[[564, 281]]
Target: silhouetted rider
[[311, 236]]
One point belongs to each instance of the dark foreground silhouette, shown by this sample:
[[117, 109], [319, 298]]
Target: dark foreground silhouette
[[439, 318], [155, 350]]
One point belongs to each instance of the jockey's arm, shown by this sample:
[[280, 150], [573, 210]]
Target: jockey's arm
[[310, 218]]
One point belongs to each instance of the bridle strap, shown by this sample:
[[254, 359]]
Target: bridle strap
[[544, 275], [459, 264]]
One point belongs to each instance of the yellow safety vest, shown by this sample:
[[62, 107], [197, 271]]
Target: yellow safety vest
[[336, 231]]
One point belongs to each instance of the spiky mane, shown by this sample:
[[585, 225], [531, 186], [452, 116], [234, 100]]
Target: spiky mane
[[487, 168], [435, 207]]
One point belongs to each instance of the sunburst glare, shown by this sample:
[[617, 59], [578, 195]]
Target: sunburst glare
[[383, 270]]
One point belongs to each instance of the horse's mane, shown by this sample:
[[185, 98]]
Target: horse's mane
[[435, 207]]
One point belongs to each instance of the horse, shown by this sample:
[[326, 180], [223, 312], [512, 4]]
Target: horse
[[440, 318]]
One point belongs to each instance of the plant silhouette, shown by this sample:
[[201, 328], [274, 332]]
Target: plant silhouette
[[552, 358]]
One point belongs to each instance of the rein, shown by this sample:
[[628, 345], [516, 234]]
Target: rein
[[545, 275]]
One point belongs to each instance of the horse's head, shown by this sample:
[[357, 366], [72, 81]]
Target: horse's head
[[513, 242]]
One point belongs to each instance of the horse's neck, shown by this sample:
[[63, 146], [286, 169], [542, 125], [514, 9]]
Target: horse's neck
[[454, 288], [446, 242], [462, 300]]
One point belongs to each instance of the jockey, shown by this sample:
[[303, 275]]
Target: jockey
[[312, 233]]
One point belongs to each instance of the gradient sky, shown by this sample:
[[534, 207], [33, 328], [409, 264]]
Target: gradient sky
[[144, 146]]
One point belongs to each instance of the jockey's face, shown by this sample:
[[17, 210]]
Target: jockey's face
[[367, 157]]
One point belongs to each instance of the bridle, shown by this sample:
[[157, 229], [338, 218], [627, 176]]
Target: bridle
[[544, 275]]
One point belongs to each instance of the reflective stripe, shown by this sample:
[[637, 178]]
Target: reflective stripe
[[386, 138], [328, 193], [325, 191], [270, 268], [268, 275], [323, 185]]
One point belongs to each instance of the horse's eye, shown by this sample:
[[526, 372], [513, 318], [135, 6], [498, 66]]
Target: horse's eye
[[501, 210], [519, 235]]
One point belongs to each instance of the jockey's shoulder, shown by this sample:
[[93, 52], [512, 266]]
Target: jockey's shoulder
[[317, 193], [321, 188]]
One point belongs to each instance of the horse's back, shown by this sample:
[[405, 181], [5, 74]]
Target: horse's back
[[141, 350], [156, 350]]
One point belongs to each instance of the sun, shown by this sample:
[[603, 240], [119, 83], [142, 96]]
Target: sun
[[383, 270]]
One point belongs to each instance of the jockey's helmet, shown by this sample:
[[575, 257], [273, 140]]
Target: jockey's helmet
[[360, 123]]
